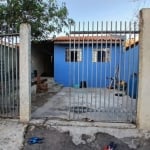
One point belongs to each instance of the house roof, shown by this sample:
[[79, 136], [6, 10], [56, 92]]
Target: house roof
[[89, 39], [130, 43]]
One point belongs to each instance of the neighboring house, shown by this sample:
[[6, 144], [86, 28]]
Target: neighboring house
[[93, 59], [42, 58]]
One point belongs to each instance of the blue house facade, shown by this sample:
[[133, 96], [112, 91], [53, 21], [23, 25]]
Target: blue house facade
[[131, 71], [95, 60]]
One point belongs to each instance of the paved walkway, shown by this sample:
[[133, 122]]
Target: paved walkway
[[78, 104]]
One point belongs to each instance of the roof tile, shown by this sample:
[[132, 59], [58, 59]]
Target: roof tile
[[78, 38]]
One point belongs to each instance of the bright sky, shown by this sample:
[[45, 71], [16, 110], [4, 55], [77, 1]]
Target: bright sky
[[104, 10]]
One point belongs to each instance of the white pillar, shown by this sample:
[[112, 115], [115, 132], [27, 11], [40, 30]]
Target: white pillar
[[143, 111], [25, 72]]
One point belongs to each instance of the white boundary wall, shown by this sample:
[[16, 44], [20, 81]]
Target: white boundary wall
[[25, 72]]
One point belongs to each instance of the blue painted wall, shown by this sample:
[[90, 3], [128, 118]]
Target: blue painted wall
[[129, 72], [94, 73], [130, 63]]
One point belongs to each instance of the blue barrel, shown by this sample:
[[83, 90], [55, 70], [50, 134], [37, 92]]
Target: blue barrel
[[133, 86]]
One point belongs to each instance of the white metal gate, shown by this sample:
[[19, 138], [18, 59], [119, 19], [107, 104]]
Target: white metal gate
[[103, 71], [9, 71]]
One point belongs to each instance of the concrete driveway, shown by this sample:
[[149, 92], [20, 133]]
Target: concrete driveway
[[93, 104]]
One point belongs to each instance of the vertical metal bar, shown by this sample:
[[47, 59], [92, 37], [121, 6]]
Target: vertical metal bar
[[104, 68], [133, 73], [92, 73], [17, 78], [91, 67], [128, 99], [124, 86], [133, 106], [5, 80], [97, 64], [17, 71], [83, 67], [115, 74], [137, 27], [96, 47], [137, 72], [1, 79], [99, 75], [125, 68], [73, 92], [127, 75], [74, 69], [78, 94], [72, 46], [8, 77], [105, 72], [118, 66], [112, 78], [110, 74], [12, 75], [121, 107], [79, 73], [69, 72], [15, 74], [13, 83], [74, 59], [118, 75], [87, 69], [101, 106]]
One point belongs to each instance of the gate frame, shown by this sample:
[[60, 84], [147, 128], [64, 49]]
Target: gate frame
[[80, 34], [9, 73]]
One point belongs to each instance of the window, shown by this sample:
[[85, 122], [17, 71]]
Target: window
[[101, 55], [73, 55]]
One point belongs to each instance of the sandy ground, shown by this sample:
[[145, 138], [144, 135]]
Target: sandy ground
[[56, 140]]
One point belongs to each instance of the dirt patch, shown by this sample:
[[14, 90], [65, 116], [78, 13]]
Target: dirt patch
[[55, 140]]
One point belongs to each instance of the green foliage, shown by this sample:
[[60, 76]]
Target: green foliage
[[45, 17]]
